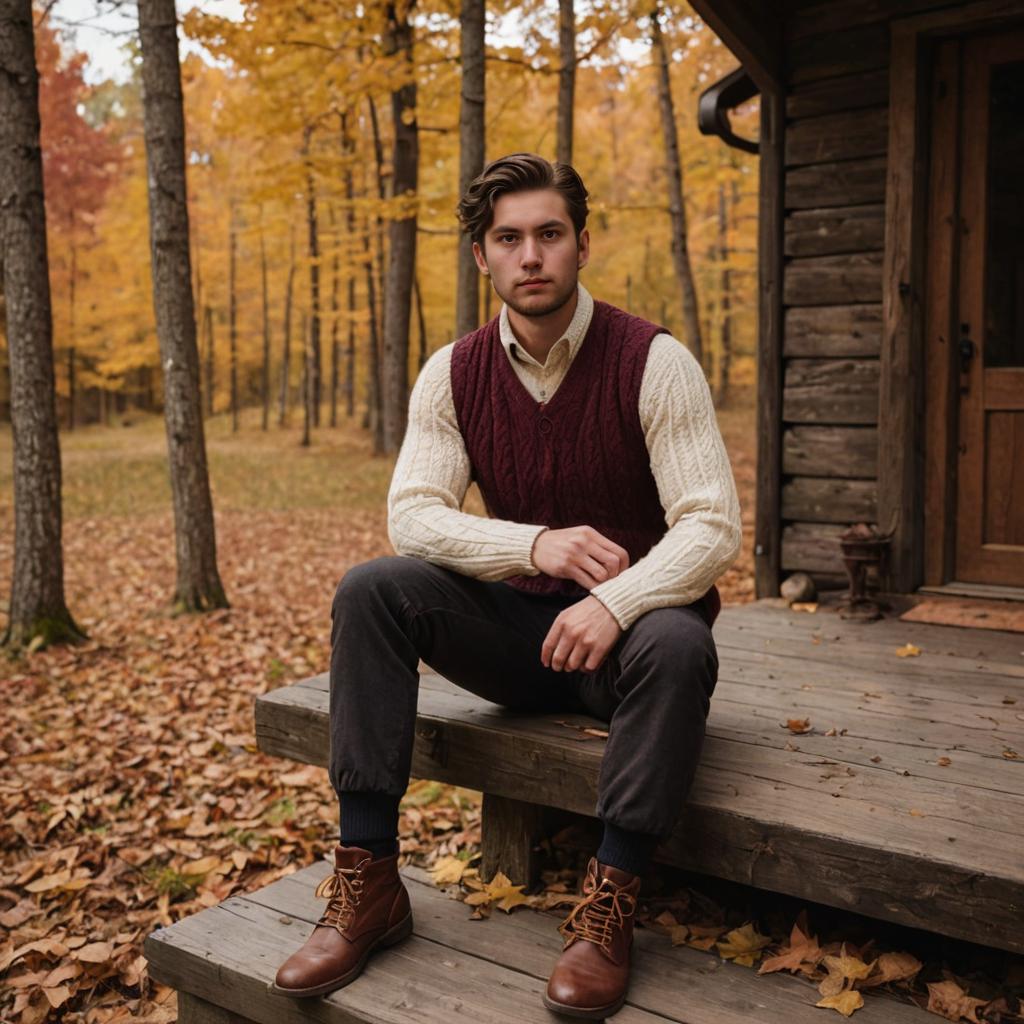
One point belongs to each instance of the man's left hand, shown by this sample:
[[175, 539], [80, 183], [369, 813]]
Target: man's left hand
[[580, 637]]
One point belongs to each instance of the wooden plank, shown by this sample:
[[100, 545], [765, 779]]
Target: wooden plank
[[842, 15], [768, 523], [811, 546], [193, 1010], [715, 989], [751, 33], [900, 467], [831, 95], [940, 334], [230, 953], [837, 53], [835, 230], [836, 391], [510, 830], [830, 451], [823, 500], [833, 280], [844, 135], [846, 183]]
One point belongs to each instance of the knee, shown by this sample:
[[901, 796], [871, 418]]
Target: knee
[[364, 581], [676, 646]]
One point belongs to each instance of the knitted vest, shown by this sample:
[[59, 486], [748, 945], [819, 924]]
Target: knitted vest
[[578, 459]]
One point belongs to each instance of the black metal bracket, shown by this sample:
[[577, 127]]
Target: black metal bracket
[[715, 103]]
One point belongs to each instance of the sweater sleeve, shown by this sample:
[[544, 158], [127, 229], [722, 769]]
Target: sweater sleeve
[[429, 485], [695, 485]]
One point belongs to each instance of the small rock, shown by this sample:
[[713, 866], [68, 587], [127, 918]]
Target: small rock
[[799, 587]]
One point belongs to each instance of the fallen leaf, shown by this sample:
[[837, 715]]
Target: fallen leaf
[[803, 951], [949, 1000], [448, 870], [845, 1002], [842, 969], [893, 967], [743, 946], [907, 651], [1010, 755], [797, 726], [804, 606], [944, 762], [95, 953]]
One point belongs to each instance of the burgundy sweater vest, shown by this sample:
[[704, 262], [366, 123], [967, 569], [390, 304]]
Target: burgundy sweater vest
[[579, 458]]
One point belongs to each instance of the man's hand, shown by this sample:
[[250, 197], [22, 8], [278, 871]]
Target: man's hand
[[579, 553], [580, 637]]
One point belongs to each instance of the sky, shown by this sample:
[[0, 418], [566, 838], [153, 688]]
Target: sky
[[101, 27]]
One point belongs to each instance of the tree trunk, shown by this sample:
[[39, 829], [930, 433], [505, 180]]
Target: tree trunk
[[674, 175], [38, 613], [725, 351], [566, 79], [402, 229], [198, 584], [335, 307], [307, 381], [266, 332], [71, 329], [210, 372], [374, 409], [374, 418], [282, 412], [314, 279], [471, 156], [348, 146], [233, 315], [421, 321]]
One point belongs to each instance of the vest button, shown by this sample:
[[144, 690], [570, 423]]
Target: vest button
[[545, 425]]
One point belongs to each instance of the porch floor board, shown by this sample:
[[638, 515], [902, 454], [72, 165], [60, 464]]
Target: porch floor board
[[911, 811]]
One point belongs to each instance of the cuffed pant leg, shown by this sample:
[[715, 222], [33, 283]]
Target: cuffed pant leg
[[655, 691], [391, 612]]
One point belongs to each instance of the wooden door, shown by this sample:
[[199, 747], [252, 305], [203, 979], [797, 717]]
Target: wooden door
[[990, 463]]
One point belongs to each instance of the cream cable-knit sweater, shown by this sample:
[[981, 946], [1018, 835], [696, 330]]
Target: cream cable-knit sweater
[[688, 460]]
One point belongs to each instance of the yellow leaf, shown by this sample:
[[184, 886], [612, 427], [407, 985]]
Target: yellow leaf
[[845, 1002], [203, 866], [448, 870], [797, 725], [804, 606], [743, 946], [48, 882], [907, 651], [893, 967]]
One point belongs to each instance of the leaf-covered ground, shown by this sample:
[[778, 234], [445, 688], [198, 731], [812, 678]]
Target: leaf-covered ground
[[131, 790]]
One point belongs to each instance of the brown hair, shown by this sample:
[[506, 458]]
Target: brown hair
[[519, 172]]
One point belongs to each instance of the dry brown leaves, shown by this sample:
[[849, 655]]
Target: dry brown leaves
[[131, 790]]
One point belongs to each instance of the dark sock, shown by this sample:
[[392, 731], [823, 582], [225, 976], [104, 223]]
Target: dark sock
[[370, 821], [628, 851]]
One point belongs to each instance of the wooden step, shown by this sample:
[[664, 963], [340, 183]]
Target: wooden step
[[911, 812], [222, 960]]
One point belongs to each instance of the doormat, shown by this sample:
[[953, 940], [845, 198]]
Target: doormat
[[978, 614]]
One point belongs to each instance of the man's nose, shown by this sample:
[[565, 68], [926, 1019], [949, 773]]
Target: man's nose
[[529, 255]]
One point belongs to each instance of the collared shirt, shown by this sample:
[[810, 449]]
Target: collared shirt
[[688, 461]]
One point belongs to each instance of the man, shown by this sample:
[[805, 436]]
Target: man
[[589, 588]]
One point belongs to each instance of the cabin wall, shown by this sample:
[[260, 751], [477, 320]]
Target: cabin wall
[[836, 70]]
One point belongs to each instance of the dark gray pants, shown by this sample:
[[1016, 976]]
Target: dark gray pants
[[654, 687]]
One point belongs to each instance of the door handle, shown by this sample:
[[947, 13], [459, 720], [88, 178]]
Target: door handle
[[967, 348]]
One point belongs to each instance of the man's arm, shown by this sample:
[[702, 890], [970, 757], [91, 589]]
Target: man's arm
[[695, 485], [429, 484]]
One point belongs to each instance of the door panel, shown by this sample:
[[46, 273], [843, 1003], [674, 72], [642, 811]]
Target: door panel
[[990, 471]]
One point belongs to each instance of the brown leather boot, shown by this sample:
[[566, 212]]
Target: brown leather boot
[[367, 908], [592, 974]]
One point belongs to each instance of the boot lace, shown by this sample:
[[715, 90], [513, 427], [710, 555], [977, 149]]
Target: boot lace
[[342, 890], [598, 915]]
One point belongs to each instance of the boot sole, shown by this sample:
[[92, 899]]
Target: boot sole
[[586, 1012], [392, 936]]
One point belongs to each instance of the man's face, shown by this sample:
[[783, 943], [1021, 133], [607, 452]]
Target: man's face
[[530, 252]]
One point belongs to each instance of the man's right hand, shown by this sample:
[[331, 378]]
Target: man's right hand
[[579, 553]]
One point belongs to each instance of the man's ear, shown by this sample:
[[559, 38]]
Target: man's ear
[[583, 249], [481, 262]]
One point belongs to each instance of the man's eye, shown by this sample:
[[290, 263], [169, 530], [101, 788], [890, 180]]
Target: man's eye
[[506, 238], [551, 233]]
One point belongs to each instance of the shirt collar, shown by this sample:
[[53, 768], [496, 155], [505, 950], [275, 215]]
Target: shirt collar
[[573, 337]]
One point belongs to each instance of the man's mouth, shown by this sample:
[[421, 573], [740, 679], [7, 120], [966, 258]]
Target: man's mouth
[[532, 281]]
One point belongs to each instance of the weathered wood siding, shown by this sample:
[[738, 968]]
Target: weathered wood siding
[[837, 85]]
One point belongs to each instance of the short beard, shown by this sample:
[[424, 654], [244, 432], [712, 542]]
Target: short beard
[[536, 312]]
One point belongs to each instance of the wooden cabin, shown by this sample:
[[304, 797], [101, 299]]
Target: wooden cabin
[[891, 250]]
